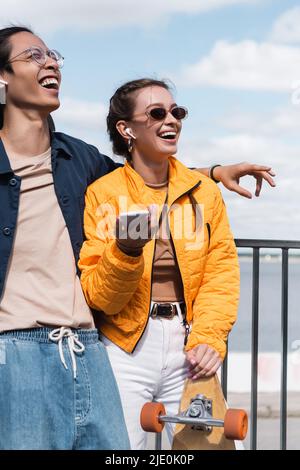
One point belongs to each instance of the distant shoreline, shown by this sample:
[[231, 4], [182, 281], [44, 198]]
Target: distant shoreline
[[268, 257]]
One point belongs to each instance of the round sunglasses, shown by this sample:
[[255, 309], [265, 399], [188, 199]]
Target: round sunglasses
[[178, 112]]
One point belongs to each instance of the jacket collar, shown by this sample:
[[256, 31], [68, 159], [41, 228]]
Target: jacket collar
[[4, 161], [181, 181], [58, 146]]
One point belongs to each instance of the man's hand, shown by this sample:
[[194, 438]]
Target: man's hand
[[203, 361], [230, 175]]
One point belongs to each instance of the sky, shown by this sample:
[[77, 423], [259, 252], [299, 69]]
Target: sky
[[234, 63]]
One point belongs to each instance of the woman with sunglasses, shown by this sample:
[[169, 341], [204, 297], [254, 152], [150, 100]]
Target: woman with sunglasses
[[168, 299]]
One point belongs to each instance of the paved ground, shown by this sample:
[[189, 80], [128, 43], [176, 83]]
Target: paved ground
[[268, 425], [267, 438]]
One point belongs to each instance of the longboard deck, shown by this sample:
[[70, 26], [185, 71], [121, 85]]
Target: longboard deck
[[186, 438]]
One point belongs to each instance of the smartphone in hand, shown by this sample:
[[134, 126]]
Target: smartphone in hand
[[133, 225]]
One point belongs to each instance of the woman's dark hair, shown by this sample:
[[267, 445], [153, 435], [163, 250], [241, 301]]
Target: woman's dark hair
[[5, 50], [122, 105]]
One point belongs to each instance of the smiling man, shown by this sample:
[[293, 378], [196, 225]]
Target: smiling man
[[57, 390]]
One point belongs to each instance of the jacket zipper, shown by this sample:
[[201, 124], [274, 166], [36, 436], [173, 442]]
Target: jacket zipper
[[184, 320], [185, 323], [209, 232]]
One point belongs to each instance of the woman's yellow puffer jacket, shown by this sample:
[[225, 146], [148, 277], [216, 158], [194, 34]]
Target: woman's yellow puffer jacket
[[119, 286]]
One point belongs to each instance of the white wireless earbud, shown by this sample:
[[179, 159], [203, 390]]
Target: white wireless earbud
[[2, 91], [129, 132]]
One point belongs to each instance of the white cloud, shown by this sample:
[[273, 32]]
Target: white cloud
[[80, 114], [284, 122], [87, 15], [275, 214], [286, 28], [238, 147], [246, 65], [85, 120]]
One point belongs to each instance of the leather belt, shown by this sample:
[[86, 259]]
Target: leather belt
[[166, 310]]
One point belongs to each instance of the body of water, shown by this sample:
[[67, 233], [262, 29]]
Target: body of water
[[269, 308]]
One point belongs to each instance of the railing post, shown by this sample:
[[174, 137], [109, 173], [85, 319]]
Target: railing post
[[284, 348], [254, 348], [158, 441], [224, 375], [285, 246]]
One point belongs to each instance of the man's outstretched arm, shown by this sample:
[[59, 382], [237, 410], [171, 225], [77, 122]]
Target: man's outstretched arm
[[229, 176]]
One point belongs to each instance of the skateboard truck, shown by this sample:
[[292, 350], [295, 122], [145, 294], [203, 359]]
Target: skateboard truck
[[198, 415], [201, 407]]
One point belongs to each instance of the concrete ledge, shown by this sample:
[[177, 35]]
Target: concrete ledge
[[268, 404]]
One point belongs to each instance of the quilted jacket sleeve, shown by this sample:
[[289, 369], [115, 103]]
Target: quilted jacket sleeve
[[216, 304], [109, 277]]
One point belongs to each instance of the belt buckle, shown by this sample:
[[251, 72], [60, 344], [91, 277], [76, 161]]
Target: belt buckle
[[173, 311], [154, 311], [165, 310]]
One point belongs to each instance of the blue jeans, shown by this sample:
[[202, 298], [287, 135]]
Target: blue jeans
[[43, 405]]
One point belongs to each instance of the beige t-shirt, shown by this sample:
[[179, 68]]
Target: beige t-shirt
[[42, 287], [166, 279]]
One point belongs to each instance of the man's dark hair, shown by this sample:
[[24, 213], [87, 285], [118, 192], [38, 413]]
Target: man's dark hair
[[5, 50], [122, 105]]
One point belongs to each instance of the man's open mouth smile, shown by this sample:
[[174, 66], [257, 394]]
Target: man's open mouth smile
[[50, 83]]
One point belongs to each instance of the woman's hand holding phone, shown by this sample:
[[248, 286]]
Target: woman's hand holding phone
[[134, 230]]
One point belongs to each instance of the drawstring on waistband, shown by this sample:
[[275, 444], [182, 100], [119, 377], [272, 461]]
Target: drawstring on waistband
[[74, 345]]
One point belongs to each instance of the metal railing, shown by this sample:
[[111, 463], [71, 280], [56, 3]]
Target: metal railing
[[256, 245]]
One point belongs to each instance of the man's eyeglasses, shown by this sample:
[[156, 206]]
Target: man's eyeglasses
[[40, 56], [178, 112]]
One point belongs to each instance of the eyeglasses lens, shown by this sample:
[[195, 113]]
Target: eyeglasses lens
[[38, 55], [56, 56]]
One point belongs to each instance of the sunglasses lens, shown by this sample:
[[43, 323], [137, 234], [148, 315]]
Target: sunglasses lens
[[158, 113], [179, 113]]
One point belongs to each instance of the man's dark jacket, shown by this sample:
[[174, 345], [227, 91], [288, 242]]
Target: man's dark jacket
[[75, 165]]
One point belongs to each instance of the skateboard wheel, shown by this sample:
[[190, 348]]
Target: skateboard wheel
[[236, 424], [150, 417]]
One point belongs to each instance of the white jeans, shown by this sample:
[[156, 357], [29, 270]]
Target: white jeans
[[156, 370]]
